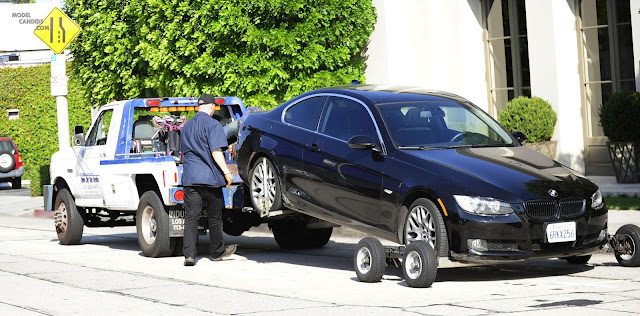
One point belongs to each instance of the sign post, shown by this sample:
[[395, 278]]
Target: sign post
[[57, 30]]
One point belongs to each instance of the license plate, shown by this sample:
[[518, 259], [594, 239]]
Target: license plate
[[176, 225], [561, 232]]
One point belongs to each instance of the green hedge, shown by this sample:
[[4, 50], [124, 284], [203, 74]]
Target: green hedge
[[264, 51], [533, 116], [620, 117], [36, 132]]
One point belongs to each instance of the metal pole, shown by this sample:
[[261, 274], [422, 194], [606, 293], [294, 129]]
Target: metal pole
[[59, 90]]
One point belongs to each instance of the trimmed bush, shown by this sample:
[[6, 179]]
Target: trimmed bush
[[533, 116], [264, 51], [620, 117], [36, 131]]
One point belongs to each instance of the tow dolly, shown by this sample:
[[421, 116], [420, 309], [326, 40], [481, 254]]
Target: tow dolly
[[420, 261]]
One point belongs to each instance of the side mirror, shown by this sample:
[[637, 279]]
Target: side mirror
[[78, 135], [520, 136], [361, 142]]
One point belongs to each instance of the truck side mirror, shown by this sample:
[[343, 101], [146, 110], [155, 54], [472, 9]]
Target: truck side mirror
[[78, 135]]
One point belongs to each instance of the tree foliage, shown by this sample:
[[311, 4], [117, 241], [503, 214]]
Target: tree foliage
[[262, 51], [36, 131], [533, 116]]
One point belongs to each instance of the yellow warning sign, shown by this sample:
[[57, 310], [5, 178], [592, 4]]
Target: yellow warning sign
[[57, 30]]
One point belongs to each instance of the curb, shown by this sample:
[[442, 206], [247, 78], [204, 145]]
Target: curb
[[42, 213]]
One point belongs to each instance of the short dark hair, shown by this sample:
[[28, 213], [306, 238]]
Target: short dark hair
[[206, 99]]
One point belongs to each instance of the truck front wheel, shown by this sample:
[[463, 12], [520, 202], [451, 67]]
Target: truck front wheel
[[69, 223], [152, 225]]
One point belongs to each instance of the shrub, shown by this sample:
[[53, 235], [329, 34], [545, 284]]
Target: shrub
[[36, 131], [533, 116], [263, 51], [620, 117]]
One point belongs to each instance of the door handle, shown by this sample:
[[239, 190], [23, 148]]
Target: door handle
[[313, 147]]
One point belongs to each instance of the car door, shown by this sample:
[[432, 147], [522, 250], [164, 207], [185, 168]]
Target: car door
[[345, 183], [298, 132], [88, 182]]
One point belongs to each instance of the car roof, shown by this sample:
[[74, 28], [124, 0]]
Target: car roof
[[390, 93]]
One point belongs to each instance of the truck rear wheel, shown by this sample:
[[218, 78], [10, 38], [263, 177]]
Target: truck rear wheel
[[68, 221], [152, 226]]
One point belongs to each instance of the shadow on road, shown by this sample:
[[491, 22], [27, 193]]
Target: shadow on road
[[338, 256]]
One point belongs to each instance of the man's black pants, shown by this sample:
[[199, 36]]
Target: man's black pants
[[197, 198]]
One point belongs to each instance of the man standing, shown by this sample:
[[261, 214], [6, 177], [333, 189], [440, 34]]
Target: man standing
[[202, 142]]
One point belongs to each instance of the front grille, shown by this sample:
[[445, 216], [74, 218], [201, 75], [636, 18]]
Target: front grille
[[571, 209], [543, 210]]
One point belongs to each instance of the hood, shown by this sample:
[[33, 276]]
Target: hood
[[514, 174]]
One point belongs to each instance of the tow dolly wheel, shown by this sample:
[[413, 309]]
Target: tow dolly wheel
[[625, 245], [420, 264], [369, 260]]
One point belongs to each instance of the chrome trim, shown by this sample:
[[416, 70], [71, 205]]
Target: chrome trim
[[375, 124]]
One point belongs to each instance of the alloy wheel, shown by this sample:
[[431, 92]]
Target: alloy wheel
[[629, 247], [263, 186], [363, 258], [420, 225]]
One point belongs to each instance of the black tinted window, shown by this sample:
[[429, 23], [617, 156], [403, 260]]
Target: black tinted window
[[305, 114], [6, 146], [345, 118]]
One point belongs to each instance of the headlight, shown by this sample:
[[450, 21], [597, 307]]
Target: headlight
[[483, 205], [596, 200]]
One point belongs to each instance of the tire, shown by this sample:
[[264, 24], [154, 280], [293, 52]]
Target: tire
[[437, 233], [578, 259], [69, 223], [152, 227], [369, 260], [295, 235], [7, 161], [16, 183], [629, 238], [265, 186], [419, 264]]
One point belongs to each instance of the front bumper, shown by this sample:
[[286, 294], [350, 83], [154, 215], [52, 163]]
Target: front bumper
[[518, 237], [12, 174]]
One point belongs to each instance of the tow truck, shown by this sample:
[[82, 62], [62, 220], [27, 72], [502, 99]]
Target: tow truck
[[127, 171]]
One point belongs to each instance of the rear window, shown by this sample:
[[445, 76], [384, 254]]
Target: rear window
[[6, 145]]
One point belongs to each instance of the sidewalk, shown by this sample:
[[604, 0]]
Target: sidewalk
[[608, 186]]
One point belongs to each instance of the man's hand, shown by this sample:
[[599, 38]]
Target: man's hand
[[229, 178]]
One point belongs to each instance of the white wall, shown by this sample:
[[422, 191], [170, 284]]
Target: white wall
[[635, 29], [432, 44], [554, 67]]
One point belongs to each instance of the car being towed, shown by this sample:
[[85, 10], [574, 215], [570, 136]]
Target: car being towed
[[406, 164]]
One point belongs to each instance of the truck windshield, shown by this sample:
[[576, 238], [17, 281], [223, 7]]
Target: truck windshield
[[441, 125]]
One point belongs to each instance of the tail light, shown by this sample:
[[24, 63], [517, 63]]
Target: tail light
[[219, 101], [18, 158], [178, 195], [153, 102]]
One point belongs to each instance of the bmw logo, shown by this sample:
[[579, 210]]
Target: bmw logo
[[553, 193]]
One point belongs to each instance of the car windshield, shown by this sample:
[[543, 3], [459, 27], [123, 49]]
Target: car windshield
[[440, 125]]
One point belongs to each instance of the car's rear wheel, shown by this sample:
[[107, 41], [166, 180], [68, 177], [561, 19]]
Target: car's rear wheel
[[68, 221], [16, 183], [578, 259], [265, 188], [424, 222], [152, 225]]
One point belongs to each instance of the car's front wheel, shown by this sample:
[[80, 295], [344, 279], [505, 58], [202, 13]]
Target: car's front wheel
[[424, 222], [68, 221]]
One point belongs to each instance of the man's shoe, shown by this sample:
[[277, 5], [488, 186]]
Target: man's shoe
[[189, 262], [228, 250]]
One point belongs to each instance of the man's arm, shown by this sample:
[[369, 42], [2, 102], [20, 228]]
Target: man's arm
[[218, 157]]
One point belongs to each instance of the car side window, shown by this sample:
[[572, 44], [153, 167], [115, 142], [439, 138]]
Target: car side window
[[98, 134], [305, 113], [345, 118]]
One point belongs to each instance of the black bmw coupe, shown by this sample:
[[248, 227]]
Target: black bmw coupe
[[407, 164]]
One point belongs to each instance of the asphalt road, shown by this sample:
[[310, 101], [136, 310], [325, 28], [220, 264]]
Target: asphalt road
[[107, 274]]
